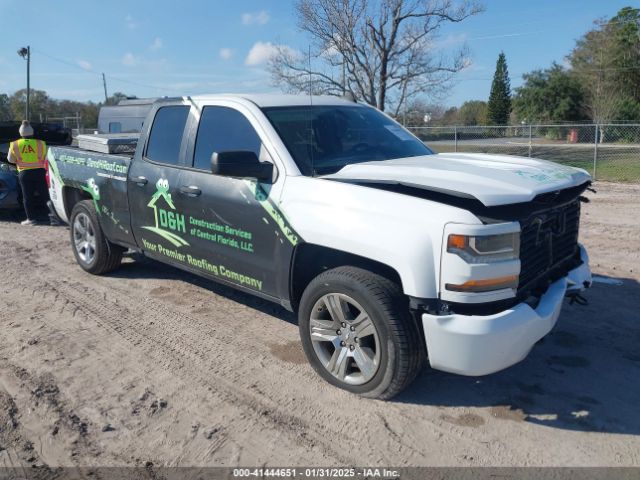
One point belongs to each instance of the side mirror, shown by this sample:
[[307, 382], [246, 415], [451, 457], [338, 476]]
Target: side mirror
[[242, 164]]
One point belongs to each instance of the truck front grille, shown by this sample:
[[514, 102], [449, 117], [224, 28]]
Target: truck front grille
[[548, 245]]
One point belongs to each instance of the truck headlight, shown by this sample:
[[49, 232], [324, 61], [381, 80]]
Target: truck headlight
[[485, 248], [481, 263]]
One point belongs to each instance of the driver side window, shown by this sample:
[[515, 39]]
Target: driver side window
[[223, 129]]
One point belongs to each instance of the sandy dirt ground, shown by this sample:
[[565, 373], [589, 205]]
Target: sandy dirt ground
[[150, 364]]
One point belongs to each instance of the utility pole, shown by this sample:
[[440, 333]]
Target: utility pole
[[28, 79], [595, 151], [26, 54], [104, 83]]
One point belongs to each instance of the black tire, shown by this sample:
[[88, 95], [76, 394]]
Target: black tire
[[107, 256], [401, 350]]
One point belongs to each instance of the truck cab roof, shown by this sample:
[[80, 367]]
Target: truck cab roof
[[274, 99]]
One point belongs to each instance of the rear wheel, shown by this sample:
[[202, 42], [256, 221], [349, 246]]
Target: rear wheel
[[357, 332], [93, 252]]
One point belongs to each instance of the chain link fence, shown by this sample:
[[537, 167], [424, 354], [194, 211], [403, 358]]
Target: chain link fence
[[608, 151]]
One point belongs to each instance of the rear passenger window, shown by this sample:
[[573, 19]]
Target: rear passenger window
[[223, 129], [166, 134]]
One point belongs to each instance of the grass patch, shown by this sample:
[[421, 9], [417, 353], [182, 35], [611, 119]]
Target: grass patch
[[619, 164]]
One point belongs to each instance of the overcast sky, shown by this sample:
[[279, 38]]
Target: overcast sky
[[151, 48]]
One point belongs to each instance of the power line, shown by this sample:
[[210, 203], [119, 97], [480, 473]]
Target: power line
[[535, 32], [507, 35], [579, 70], [144, 85], [75, 65], [90, 71]]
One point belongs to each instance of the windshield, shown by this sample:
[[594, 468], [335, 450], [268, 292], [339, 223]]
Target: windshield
[[323, 139]]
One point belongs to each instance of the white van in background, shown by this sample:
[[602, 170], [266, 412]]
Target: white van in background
[[126, 117]]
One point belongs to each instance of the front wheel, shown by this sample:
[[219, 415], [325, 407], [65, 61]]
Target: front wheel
[[357, 332], [93, 252]]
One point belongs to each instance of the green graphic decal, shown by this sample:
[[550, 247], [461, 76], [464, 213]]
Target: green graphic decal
[[167, 221], [100, 164], [53, 167], [547, 175], [93, 190], [262, 197], [218, 270], [221, 234]]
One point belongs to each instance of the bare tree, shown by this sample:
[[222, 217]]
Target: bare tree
[[383, 51], [593, 63], [603, 101], [418, 112]]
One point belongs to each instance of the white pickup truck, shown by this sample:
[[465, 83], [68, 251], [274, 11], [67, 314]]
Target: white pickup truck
[[390, 253]]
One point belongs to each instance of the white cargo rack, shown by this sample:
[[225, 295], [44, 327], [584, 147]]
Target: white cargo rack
[[109, 142]]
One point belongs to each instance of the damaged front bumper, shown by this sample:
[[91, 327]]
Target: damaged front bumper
[[478, 345]]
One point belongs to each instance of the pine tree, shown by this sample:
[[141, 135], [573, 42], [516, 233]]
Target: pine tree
[[499, 106]]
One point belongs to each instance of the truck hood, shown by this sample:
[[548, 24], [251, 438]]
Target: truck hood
[[491, 179]]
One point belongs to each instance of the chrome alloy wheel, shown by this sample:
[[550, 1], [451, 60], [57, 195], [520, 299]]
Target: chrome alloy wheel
[[345, 339], [84, 238]]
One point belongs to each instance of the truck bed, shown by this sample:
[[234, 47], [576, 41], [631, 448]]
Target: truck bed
[[101, 177]]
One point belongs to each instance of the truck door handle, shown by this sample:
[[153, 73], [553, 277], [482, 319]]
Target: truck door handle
[[190, 190], [141, 181]]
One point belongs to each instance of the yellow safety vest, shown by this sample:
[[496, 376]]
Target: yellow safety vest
[[29, 153]]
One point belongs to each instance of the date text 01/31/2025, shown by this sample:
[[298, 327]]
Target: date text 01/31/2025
[[316, 472]]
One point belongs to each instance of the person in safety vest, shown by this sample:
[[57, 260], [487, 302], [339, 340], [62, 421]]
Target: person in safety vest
[[29, 156]]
